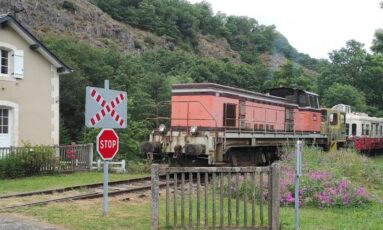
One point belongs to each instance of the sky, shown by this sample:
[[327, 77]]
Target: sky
[[313, 27]]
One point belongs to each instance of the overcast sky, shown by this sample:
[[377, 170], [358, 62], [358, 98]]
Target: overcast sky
[[314, 27]]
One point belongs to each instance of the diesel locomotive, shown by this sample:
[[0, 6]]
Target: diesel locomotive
[[213, 124]]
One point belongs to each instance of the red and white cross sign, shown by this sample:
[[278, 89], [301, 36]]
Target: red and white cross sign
[[105, 108]]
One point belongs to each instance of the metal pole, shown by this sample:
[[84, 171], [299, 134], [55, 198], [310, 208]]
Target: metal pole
[[298, 172], [105, 192], [106, 84]]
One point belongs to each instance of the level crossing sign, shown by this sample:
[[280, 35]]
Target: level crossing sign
[[105, 108], [107, 144]]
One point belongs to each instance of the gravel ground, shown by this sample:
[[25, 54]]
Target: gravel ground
[[18, 222]]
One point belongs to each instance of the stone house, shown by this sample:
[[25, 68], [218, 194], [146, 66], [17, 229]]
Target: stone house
[[29, 87]]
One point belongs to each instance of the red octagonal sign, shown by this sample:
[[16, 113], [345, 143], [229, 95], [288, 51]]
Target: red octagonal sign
[[107, 144]]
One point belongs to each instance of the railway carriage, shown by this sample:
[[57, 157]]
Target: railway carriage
[[212, 124], [364, 133]]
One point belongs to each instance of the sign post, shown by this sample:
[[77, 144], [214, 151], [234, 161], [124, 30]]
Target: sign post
[[298, 173], [107, 109], [107, 147]]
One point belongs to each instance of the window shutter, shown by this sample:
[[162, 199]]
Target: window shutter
[[18, 64]]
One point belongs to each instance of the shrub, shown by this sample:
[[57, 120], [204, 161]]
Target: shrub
[[28, 161], [138, 167], [11, 167]]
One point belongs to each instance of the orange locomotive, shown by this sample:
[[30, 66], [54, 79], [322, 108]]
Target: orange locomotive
[[212, 124]]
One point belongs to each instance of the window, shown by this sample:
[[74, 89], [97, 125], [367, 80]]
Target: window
[[353, 129], [11, 61], [347, 129], [4, 61], [367, 129], [343, 118], [313, 101], [229, 114], [333, 119], [302, 100], [4, 121], [363, 131]]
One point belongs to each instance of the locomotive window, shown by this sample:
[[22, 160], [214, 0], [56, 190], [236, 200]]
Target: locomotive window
[[353, 129], [229, 114], [313, 101], [324, 116], [343, 118], [333, 119], [302, 101]]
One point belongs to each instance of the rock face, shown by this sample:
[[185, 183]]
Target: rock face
[[81, 20]]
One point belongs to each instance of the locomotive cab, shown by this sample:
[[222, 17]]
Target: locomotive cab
[[333, 124]]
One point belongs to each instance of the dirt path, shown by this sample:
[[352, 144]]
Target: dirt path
[[19, 222]]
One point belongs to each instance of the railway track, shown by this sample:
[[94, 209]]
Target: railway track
[[115, 188]]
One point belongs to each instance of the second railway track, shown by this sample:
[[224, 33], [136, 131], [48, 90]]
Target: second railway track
[[115, 188]]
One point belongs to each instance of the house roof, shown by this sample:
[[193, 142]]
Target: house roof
[[34, 43]]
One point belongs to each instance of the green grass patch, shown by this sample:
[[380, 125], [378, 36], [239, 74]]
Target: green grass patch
[[27, 184], [135, 214]]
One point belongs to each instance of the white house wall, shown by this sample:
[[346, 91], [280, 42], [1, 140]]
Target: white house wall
[[36, 94]]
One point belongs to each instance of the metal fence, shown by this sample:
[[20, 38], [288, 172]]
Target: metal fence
[[75, 157], [216, 197]]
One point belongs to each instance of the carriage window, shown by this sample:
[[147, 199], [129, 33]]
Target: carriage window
[[367, 129], [347, 128], [363, 129], [353, 129], [333, 119], [381, 130], [229, 114]]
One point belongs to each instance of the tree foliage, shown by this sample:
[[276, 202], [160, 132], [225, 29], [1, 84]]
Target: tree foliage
[[181, 22], [344, 94]]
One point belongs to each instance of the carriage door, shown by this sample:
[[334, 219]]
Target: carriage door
[[229, 114], [5, 137], [289, 120]]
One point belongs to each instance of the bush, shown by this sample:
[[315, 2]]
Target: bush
[[138, 167], [28, 161], [11, 167]]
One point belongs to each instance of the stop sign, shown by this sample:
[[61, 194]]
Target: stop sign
[[107, 144]]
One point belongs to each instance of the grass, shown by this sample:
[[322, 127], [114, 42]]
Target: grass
[[57, 181], [135, 213]]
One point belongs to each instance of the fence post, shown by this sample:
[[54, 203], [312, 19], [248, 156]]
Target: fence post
[[98, 165], [275, 197], [90, 149], [123, 169], [155, 195]]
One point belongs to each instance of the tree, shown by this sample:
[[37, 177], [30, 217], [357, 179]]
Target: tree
[[346, 66], [291, 76], [344, 94], [377, 42]]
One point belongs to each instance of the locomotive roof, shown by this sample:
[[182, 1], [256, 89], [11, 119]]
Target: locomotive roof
[[216, 88], [291, 89]]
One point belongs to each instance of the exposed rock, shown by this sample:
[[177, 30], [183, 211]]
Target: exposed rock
[[81, 20]]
